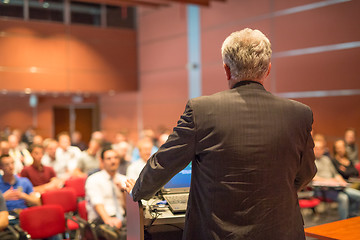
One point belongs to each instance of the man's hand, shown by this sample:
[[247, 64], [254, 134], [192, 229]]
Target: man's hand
[[113, 222], [129, 185], [12, 194]]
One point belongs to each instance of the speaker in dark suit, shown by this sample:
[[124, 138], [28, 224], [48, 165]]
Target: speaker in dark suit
[[251, 152]]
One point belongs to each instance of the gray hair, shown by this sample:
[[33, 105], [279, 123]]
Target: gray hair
[[247, 53]]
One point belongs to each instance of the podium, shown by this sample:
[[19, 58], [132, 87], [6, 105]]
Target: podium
[[135, 219], [139, 218]]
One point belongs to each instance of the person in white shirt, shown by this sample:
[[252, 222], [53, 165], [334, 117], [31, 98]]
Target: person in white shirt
[[145, 145], [22, 157], [67, 154], [104, 192]]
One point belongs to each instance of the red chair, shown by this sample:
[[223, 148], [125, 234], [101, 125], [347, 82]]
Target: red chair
[[43, 221], [357, 166], [66, 198], [309, 203], [78, 184], [88, 230], [82, 210]]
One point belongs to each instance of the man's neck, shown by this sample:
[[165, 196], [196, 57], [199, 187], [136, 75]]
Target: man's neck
[[112, 174], [9, 178], [37, 166]]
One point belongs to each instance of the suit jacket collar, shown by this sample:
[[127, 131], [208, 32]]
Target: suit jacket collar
[[249, 84]]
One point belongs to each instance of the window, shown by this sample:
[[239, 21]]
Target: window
[[85, 13], [122, 17], [51, 10], [12, 8]]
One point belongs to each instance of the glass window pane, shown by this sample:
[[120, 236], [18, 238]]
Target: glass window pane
[[12, 8], [85, 13], [123, 17], [51, 10]]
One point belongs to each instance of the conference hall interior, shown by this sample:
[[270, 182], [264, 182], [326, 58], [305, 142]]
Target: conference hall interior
[[121, 71]]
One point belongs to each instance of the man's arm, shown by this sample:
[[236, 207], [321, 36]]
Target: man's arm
[[4, 220], [112, 221], [54, 183], [171, 158], [30, 199], [28, 193], [307, 165]]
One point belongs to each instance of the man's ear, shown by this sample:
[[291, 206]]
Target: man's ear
[[227, 72], [269, 69]]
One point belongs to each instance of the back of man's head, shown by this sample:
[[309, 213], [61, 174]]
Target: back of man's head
[[247, 53]]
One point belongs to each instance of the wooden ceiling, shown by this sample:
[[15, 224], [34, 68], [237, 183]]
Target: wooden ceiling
[[150, 3]]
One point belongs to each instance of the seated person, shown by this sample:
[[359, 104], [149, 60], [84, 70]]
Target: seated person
[[17, 191], [42, 177], [122, 149], [351, 145], [5, 233], [105, 200], [341, 162], [67, 154], [49, 159], [145, 134], [88, 161], [145, 147], [20, 155], [4, 147], [347, 198], [4, 220]]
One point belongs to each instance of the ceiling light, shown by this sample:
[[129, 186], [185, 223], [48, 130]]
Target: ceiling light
[[27, 90]]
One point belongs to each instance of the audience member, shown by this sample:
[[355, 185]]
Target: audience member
[[28, 136], [5, 133], [145, 147], [348, 199], [98, 135], [88, 162], [42, 177], [105, 200], [76, 140], [145, 134], [162, 139], [37, 140], [320, 137], [67, 154], [351, 146], [17, 191], [341, 161], [21, 156], [121, 149], [5, 233], [49, 159], [4, 221], [4, 147]]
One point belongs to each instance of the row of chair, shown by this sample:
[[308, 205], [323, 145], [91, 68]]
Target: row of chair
[[56, 215]]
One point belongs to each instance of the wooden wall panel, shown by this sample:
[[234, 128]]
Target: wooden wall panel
[[15, 112], [232, 12], [119, 113], [73, 58], [155, 24], [168, 53], [328, 25], [322, 71]]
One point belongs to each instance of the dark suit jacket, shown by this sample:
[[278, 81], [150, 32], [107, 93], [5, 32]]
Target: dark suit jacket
[[251, 152]]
